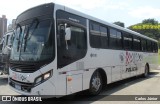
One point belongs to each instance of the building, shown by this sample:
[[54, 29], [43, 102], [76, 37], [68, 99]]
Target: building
[[12, 26], [3, 25]]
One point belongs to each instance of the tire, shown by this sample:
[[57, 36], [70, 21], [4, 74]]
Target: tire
[[1, 73], [146, 72], [95, 84]]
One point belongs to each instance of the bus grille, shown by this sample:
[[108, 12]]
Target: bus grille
[[25, 68], [26, 87]]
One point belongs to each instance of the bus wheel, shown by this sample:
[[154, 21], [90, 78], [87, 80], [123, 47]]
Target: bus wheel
[[146, 72], [1, 73], [95, 84]]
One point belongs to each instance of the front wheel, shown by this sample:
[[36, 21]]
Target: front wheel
[[95, 84]]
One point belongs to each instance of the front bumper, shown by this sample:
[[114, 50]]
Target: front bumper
[[45, 88]]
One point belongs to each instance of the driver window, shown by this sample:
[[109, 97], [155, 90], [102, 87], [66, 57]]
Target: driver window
[[76, 45]]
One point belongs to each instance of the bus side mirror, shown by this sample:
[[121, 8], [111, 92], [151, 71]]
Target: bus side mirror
[[68, 33]]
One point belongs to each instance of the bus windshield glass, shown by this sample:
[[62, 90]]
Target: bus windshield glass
[[33, 42]]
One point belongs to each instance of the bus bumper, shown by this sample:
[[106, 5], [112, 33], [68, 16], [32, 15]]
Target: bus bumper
[[45, 89]]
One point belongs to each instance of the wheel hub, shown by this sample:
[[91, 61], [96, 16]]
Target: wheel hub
[[96, 83]]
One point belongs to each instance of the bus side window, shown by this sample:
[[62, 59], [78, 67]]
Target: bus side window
[[156, 47], [136, 44], [144, 44], [113, 38], [104, 37], [119, 40], [149, 46], [127, 41], [95, 36]]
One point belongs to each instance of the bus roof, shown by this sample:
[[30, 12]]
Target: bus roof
[[94, 19], [108, 24]]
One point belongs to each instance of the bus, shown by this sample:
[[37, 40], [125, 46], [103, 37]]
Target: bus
[[5, 49], [59, 51]]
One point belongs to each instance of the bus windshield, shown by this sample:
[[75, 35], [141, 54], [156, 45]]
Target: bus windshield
[[33, 42]]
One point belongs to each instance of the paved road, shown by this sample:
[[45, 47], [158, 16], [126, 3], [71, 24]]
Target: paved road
[[4, 88], [133, 86]]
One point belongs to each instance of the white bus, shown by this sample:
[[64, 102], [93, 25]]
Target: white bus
[[5, 49], [60, 51]]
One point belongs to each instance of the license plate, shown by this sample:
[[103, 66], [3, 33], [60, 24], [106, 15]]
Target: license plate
[[18, 87]]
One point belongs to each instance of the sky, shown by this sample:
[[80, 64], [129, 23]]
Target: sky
[[127, 11]]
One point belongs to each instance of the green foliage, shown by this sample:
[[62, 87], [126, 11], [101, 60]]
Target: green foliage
[[150, 21], [148, 27], [119, 23]]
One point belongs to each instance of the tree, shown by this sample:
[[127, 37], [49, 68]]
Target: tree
[[148, 27], [150, 21], [119, 23]]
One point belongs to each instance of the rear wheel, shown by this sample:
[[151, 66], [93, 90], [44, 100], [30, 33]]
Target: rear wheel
[[1, 73], [146, 72], [95, 83]]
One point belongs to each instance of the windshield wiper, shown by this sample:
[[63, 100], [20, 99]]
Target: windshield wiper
[[18, 44], [36, 22]]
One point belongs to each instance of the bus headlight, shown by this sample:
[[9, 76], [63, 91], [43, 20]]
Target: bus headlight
[[47, 75], [43, 77]]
